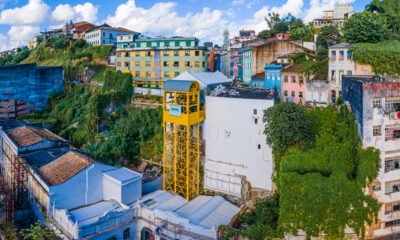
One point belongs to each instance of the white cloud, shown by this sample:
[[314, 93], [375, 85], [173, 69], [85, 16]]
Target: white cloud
[[22, 34], [5, 43], [33, 13], [81, 12], [318, 6], [238, 2], [163, 19]]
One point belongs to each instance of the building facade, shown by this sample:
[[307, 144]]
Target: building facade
[[105, 35], [238, 161], [375, 103], [26, 87], [335, 17], [151, 61], [293, 84], [245, 60]]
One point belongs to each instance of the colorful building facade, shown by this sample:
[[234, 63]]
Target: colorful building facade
[[151, 61], [293, 84]]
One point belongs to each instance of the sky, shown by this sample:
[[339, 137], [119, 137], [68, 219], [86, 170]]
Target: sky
[[21, 20]]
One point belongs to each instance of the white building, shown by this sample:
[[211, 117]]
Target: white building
[[164, 215], [375, 103], [335, 17], [237, 160], [317, 92], [340, 63], [207, 80]]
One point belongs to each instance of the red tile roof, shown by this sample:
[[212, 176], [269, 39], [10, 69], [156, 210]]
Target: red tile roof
[[83, 26], [259, 75], [65, 167], [26, 135]]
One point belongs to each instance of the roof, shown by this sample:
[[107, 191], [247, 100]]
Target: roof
[[260, 75], [40, 158], [65, 167], [123, 175], [163, 200], [108, 27], [27, 135], [296, 68], [178, 85], [92, 213], [83, 26], [342, 45], [204, 211], [249, 93], [205, 79], [207, 211]]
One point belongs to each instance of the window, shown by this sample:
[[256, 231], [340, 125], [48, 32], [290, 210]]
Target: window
[[166, 74], [197, 53], [285, 93], [176, 74], [148, 53], [255, 120], [392, 104], [176, 53], [166, 64], [376, 103], [138, 44], [137, 54], [349, 73], [393, 186], [203, 64], [301, 79], [188, 44], [137, 74], [187, 64], [255, 111], [176, 64], [300, 94], [349, 55], [147, 64], [176, 44], [392, 163], [118, 64], [137, 64], [126, 64], [259, 146], [333, 75], [187, 53], [126, 54], [293, 94], [377, 131], [196, 64], [293, 78], [166, 53], [104, 34], [333, 56], [285, 78], [148, 44], [127, 234], [341, 55], [166, 44], [148, 74]]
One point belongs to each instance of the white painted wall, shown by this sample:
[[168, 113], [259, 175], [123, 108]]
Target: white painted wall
[[318, 91], [340, 68], [236, 145]]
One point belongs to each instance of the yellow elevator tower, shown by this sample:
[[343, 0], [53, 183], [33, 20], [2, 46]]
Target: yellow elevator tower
[[183, 113]]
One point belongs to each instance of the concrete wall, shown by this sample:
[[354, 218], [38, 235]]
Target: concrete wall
[[236, 148], [317, 91], [339, 66], [268, 53]]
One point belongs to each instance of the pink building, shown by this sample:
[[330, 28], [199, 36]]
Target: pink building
[[293, 84]]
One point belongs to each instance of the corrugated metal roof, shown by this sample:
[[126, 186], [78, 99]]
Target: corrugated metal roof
[[205, 79], [178, 85], [91, 214], [123, 175], [342, 45]]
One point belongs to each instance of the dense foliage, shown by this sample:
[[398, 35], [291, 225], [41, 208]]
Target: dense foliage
[[390, 11], [21, 55], [322, 171], [384, 57], [364, 27], [262, 222], [327, 36], [276, 25]]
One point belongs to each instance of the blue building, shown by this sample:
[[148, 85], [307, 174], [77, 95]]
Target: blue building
[[26, 87], [272, 78], [106, 35]]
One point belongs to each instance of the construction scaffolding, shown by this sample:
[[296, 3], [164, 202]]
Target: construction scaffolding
[[183, 113]]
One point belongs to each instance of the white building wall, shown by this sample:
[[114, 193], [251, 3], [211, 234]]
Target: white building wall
[[338, 68], [317, 91], [236, 146]]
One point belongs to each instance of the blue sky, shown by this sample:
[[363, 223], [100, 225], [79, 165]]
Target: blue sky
[[20, 20]]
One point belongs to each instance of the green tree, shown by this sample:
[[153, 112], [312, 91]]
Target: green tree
[[21, 55], [38, 232], [327, 36], [276, 25], [61, 42], [364, 27], [390, 10]]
